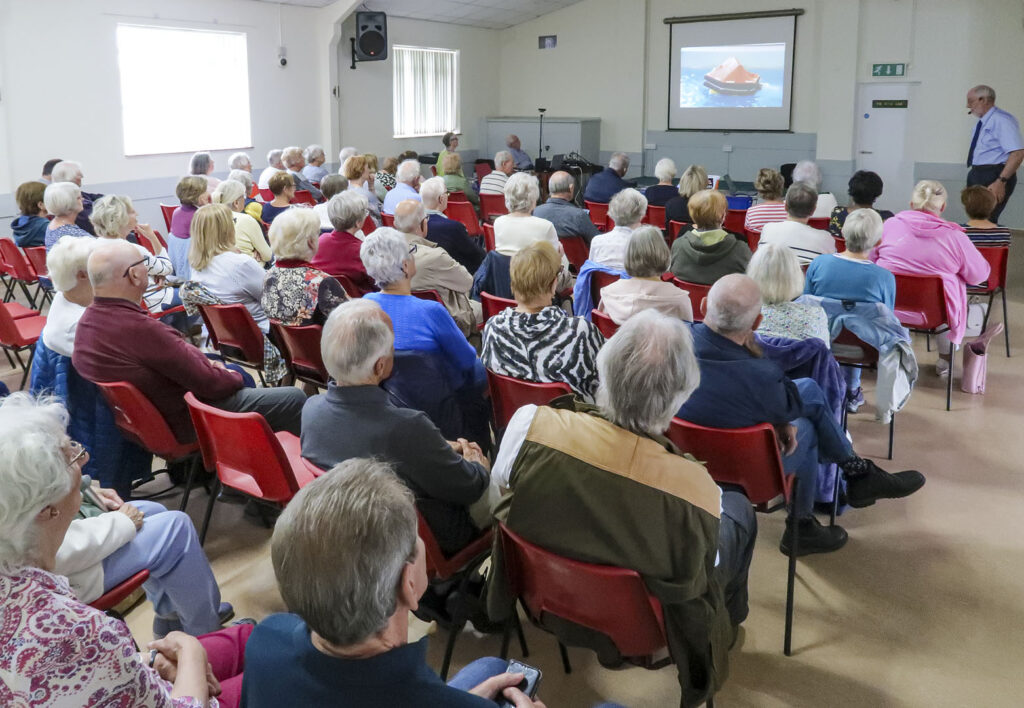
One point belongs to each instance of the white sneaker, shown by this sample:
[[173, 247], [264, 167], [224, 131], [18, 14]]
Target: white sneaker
[[942, 368]]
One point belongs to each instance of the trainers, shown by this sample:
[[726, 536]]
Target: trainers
[[942, 367], [874, 483], [164, 625], [854, 400], [814, 538]]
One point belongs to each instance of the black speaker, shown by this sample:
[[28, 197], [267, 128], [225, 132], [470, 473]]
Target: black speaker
[[371, 36]]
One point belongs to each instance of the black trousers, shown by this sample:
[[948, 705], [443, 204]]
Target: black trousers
[[985, 175]]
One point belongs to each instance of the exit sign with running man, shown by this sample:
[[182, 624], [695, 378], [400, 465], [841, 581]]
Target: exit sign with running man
[[888, 69]]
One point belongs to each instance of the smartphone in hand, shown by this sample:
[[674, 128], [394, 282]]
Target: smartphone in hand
[[529, 684]]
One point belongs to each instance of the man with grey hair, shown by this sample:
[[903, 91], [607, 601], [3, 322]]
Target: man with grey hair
[[435, 268], [351, 568], [69, 171], [519, 156], [607, 472], [559, 209], [240, 161], [445, 476], [504, 166], [739, 388], [805, 241], [344, 154], [609, 182], [449, 234], [809, 172], [294, 162], [996, 150], [407, 179], [314, 170], [274, 165]]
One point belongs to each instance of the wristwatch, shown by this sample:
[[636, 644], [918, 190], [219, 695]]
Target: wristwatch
[[1003, 179]]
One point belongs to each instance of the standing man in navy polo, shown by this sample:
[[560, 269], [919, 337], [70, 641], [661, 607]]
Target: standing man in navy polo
[[996, 148]]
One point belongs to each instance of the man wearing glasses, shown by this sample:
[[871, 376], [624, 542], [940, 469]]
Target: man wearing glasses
[[996, 150]]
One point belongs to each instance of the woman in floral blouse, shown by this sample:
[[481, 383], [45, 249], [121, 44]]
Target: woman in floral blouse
[[57, 651], [777, 271]]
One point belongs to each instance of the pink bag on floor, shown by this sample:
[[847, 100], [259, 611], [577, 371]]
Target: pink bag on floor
[[975, 369]]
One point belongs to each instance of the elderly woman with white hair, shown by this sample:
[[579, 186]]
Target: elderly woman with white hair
[[274, 165], [294, 292], [920, 242], [626, 209], [253, 207], [659, 194], [82, 656], [66, 264], [249, 237], [332, 184], [776, 271], [70, 171], [315, 157], [420, 325], [809, 172], [240, 161], [64, 201], [202, 164], [647, 259], [338, 252], [519, 228], [693, 180], [294, 161]]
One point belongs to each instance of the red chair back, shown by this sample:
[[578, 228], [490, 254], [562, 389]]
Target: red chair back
[[604, 323], [243, 451], [697, 293], [303, 196], [433, 170], [168, 211], [482, 169], [20, 267], [300, 346], [734, 220], [575, 250], [234, 333], [266, 194], [369, 225], [920, 301], [818, 222], [492, 304], [599, 279], [745, 457], [440, 567], [457, 196], [753, 239], [599, 215], [492, 205], [120, 592], [509, 394], [840, 244], [139, 420], [428, 295], [997, 257], [465, 214], [655, 216], [11, 335], [488, 236], [387, 219], [350, 288], [612, 601], [674, 227], [37, 259]]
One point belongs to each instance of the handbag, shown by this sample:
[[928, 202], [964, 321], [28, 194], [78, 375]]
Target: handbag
[[975, 369]]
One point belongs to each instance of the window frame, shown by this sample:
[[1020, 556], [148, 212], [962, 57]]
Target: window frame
[[456, 92]]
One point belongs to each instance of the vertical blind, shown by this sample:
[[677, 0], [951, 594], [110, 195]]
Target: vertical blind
[[426, 91]]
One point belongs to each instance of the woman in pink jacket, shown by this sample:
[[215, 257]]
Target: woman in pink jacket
[[921, 242]]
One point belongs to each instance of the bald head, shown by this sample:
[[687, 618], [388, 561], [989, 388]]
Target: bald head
[[560, 185], [733, 305], [107, 266], [409, 216]]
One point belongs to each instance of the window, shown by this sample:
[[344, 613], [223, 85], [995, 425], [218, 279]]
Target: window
[[183, 90], [426, 91]]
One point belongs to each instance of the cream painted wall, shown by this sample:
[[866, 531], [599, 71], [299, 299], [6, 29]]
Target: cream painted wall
[[365, 101]]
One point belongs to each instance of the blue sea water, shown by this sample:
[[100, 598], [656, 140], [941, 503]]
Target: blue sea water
[[694, 94]]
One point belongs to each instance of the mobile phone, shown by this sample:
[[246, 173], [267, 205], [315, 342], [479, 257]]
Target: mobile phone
[[529, 684]]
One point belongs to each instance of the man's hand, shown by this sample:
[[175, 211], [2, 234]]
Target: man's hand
[[132, 513], [998, 188], [504, 685], [217, 364], [787, 439], [472, 452]]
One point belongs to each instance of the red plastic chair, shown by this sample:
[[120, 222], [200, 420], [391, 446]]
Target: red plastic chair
[[488, 236], [674, 227], [818, 222], [168, 211], [457, 196], [387, 219], [428, 295], [433, 170], [599, 215], [606, 599], [598, 280], [753, 239], [350, 288], [840, 244], [492, 305], [369, 225], [576, 250], [747, 458], [144, 242], [492, 205], [509, 394], [997, 257], [19, 335], [247, 456], [21, 271], [303, 196], [36, 256], [921, 307], [118, 594], [604, 323], [235, 334], [482, 169], [465, 214], [139, 421], [734, 220], [300, 347], [655, 216], [266, 194], [850, 350], [697, 293]]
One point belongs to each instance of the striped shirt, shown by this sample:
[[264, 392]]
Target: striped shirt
[[806, 242], [765, 213], [493, 183], [998, 236]]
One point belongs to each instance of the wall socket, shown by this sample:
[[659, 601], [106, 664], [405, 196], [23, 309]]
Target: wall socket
[[727, 148]]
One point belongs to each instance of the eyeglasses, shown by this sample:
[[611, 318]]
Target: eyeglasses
[[78, 451], [129, 268]]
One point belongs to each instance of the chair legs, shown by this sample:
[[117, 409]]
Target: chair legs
[[565, 658], [193, 473], [1006, 323], [892, 433], [791, 523], [209, 511], [949, 383]]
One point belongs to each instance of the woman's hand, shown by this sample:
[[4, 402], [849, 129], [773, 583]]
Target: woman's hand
[[182, 661], [132, 513], [147, 231], [109, 497]]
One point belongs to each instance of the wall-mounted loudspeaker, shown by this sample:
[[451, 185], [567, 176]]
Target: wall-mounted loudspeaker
[[371, 36]]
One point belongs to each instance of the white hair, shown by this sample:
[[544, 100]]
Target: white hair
[[731, 305], [985, 92], [353, 339], [560, 183], [295, 234], [862, 230], [228, 192], [665, 170], [627, 207], [776, 270], [33, 471], [291, 156], [69, 257], [408, 172], [238, 161], [347, 210], [928, 195], [65, 171], [244, 178], [647, 371], [61, 197], [407, 221], [200, 163], [431, 191], [619, 162], [501, 157], [383, 254], [522, 190], [807, 171], [111, 215], [647, 255], [274, 156], [313, 152], [345, 153]]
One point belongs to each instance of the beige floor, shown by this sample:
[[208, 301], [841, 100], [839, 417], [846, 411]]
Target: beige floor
[[923, 607]]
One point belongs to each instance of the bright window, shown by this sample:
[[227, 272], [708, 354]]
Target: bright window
[[426, 91], [183, 90]]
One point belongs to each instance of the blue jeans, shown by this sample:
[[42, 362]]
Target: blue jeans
[[180, 580], [476, 672], [852, 376], [819, 439]]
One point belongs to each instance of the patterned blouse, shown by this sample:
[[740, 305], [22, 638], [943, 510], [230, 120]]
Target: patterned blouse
[[794, 320], [385, 179], [296, 293], [545, 347], [55, 235], [57, 652]]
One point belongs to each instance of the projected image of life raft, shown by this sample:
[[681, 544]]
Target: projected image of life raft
[[736, 76]]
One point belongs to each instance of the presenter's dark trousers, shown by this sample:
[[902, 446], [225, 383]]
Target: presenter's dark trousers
[[986, 175]]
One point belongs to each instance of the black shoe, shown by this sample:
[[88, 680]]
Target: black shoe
[[814, 538], [875, 483]]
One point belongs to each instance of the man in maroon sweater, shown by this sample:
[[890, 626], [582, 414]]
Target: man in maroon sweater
[[116, 340]]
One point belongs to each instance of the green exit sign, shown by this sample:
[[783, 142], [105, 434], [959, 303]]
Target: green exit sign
[[889, 103], [888, 69]]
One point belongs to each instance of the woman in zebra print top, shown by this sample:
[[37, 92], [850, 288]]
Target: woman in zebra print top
[[538, 341]]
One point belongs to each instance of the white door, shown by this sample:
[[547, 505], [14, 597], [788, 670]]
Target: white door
[[881, 145]]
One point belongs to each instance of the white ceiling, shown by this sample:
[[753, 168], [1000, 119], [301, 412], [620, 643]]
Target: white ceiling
[[489, 14]]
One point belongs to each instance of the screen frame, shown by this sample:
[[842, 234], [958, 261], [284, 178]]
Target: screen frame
[[795, 13]]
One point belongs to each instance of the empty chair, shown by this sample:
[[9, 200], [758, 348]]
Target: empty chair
[[21, 271], [19, 335]]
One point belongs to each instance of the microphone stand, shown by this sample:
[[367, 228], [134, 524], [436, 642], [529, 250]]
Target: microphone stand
[[540, 140]]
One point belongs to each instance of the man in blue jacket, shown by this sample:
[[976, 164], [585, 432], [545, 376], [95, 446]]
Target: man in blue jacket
[[607, 183]]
